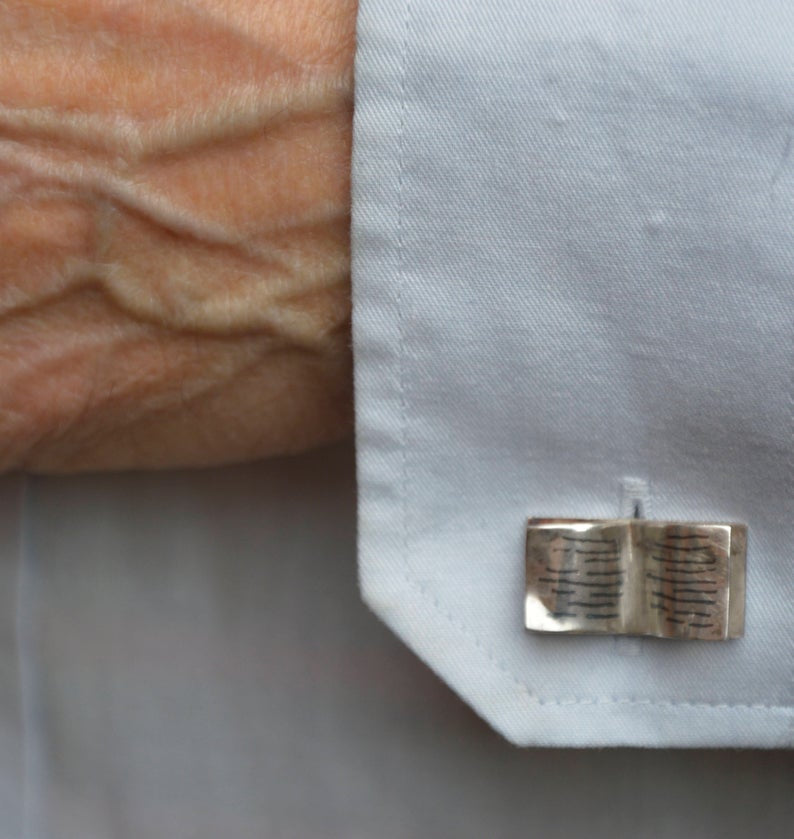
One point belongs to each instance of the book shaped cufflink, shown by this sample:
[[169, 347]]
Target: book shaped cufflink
[[683, 580]]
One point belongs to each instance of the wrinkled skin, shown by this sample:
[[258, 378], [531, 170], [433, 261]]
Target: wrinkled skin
[[174, 230]]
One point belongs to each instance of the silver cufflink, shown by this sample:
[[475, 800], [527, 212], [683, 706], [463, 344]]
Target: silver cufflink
[[682, 580]]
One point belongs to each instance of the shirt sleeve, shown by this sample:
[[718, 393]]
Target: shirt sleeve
[[573, 277]]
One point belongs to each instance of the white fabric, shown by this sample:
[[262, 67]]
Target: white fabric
[[574, 270], [186, 656]]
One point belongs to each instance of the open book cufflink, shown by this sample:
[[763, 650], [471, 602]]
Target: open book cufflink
[[683, 580]]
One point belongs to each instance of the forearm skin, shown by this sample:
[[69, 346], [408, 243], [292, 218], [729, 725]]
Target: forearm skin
[[174, 231]]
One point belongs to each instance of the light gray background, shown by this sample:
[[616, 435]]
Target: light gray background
[[197, 663]]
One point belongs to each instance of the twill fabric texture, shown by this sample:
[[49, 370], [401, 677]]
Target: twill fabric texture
[[573, 284]]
